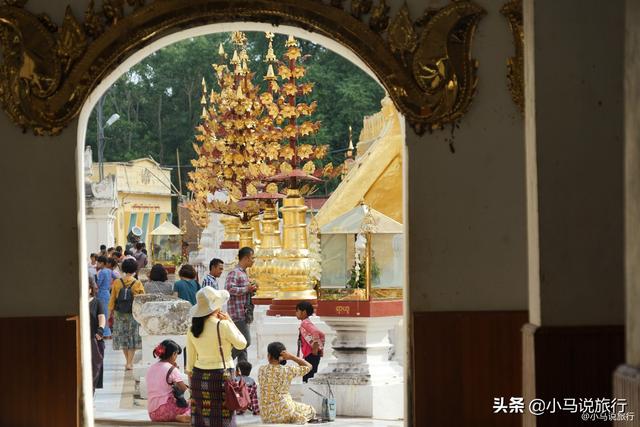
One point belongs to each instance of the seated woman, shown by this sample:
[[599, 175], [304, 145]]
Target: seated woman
[[276, 404], [162, 404]]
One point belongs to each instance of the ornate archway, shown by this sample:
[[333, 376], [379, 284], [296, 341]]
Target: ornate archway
[[47, 71]]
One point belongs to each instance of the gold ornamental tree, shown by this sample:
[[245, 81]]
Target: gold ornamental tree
[[235, 143], [286, 104]]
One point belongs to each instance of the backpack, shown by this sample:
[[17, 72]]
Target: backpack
[[124, 300]]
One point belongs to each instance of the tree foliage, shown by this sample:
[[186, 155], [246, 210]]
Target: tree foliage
[[158, 99]]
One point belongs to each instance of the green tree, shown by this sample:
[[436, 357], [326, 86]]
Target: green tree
[[158, 99]]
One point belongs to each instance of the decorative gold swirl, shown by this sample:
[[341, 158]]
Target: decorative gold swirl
[[47, 73], [515, 65]]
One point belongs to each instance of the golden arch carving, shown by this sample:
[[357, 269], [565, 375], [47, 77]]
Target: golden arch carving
[[47, 71], [515, 65]]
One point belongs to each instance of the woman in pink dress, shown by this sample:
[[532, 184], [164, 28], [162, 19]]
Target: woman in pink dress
[[162, 404]]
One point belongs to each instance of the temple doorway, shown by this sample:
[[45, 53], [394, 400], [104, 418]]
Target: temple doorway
[[345, 225]]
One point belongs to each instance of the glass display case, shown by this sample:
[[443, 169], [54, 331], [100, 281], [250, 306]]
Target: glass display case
[[362, 257], [166, 245]]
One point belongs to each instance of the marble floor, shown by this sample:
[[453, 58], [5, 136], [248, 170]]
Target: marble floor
[[115, 404]]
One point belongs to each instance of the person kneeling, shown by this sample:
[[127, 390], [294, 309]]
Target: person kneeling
[[276, 404], [161, 377]]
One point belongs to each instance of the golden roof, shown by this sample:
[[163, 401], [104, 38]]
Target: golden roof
[[376, 174]]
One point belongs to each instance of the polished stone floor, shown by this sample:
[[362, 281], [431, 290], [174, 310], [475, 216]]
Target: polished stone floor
[[115, 405]]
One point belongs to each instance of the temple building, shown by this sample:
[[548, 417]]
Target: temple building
[[520, 167], [375, 175], [144, 192]]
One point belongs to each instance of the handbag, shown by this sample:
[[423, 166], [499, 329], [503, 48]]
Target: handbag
[[236, 393], [177, 393], [328, 412]]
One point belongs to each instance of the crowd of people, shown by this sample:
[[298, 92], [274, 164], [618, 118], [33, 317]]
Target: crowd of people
[[217, 341]]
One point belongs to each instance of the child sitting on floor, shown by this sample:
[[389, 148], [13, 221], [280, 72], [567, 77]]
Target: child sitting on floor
[[243, 370], [163, 405]]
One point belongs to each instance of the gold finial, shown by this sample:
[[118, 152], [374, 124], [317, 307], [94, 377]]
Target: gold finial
[[235, 60], [221, 51], [269, 35], [211, 96], [203, 100], [239, 93], [204, 113], [291, 41], [270, 74], [270, 56]]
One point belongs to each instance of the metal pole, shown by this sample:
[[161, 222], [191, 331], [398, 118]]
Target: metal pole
[[179, 173], [368, 267], [100, 135]]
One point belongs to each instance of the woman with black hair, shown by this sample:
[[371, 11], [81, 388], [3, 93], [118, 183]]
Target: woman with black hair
[[126, 336], [158, 283], [161, 376], [187, 286], [276, 404], [209, 362]]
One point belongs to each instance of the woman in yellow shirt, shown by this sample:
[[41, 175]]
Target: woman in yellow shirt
[[126, 336], [205, 366]]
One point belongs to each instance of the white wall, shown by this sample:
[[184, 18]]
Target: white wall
[[467, 229], [576, 129]]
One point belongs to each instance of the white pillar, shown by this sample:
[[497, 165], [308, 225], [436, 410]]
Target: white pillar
[[101, 204], [363, 379]]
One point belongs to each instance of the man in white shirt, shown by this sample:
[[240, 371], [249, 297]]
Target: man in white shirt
[[215, 270]]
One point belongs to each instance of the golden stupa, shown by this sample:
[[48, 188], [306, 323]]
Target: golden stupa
[[375, 177]]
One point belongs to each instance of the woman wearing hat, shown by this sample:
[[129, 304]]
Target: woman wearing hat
[[205, 365]]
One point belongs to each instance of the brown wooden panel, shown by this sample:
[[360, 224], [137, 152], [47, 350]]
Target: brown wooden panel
[[40, 372], [573, 362], [461, 361]]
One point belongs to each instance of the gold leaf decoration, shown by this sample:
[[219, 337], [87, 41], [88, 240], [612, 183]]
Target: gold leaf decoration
[[309, 167], [402, 36], [272, 188], [47, 75], [379, 20], [72, 41], [515, 64]]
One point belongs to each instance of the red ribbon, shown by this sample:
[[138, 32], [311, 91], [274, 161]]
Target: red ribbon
[[159, 350]]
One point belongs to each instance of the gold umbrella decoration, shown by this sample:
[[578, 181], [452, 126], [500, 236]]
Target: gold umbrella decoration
[[235, 137], [294, 264], [247, 139]]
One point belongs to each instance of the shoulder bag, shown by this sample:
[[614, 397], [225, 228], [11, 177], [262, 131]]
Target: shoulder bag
[[181, 402], [236, 394]]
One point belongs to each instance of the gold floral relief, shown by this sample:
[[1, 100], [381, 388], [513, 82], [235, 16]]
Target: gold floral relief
[[515, 65], [47, 70]]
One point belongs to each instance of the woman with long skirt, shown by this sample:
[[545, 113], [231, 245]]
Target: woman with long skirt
[[205, 363]]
